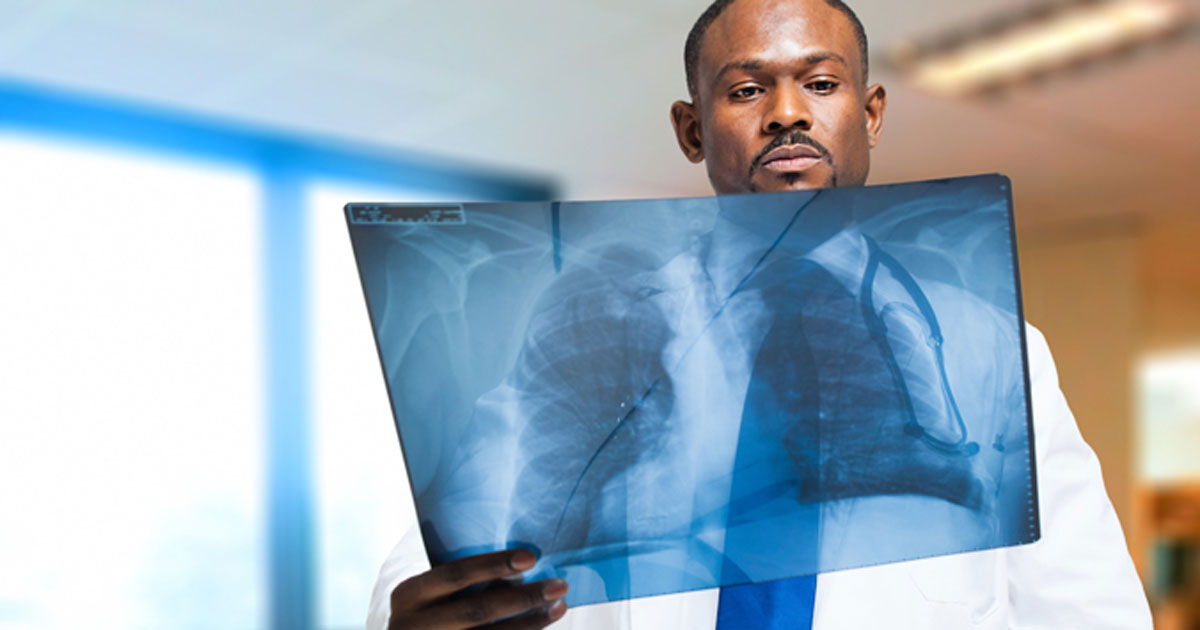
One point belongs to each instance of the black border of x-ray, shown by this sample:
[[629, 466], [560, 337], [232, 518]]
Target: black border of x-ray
[[1034, 495]]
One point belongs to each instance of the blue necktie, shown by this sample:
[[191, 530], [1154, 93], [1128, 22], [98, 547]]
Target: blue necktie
[[777, 605]]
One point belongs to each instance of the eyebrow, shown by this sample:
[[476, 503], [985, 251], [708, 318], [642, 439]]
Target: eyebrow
[[750, 65]]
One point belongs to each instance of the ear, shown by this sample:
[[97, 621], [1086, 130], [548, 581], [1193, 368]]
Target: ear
[[876, 101], [687, 130]]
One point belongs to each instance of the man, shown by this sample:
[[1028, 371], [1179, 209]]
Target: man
[[780, 101]]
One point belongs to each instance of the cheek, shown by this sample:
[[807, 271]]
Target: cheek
[[729, 134], [725, 148], [849, 143]]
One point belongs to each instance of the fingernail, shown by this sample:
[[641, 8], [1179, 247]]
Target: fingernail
[[554, 589], [522, 560], [557, 610]]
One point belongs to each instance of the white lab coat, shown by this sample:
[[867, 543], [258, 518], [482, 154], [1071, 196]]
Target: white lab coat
[[1079, 575]]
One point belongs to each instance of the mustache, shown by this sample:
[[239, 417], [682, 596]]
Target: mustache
[[795, 136]]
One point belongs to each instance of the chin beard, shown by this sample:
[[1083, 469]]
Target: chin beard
[[792, 178]]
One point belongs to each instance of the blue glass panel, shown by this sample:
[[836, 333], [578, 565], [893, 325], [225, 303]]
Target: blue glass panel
[[677, 394]]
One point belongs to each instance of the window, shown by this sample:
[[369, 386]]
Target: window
[[131, 402], [1170, 417], [193, 423]]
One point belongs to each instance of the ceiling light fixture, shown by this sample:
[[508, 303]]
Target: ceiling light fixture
[[1051, 37]]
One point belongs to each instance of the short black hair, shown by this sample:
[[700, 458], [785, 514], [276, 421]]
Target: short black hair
[[691, 49]]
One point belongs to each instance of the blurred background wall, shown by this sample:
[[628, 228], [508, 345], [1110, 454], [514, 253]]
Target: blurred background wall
[[192, 428]]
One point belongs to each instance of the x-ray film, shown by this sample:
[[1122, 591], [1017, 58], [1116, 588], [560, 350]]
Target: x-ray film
[[675, 394]]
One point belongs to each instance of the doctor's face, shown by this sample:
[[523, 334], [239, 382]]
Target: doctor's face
[[781, 101]]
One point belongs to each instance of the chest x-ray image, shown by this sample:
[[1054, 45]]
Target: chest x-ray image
[[667, 395]]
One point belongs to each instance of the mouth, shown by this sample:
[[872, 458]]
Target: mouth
[[792, 158]]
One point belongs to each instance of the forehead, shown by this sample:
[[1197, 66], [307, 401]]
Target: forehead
[[776, 31]]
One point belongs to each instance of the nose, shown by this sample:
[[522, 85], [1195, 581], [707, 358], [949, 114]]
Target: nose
[[787, 108]]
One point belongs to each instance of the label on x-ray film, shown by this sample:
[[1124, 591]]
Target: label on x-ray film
[[401, 214]]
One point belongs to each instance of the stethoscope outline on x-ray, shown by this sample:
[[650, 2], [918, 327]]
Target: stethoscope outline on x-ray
[[879, 331]]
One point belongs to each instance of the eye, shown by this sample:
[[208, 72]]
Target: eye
[[822, 86], [745, 92]]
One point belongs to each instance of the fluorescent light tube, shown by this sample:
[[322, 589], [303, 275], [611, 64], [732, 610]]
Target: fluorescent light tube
[[1083, 31]]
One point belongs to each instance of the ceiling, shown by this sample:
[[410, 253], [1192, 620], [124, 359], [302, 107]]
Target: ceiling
[[578, 91]]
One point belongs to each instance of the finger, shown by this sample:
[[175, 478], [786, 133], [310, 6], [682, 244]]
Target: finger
[[419, 591], [534, 619], [482, 608]]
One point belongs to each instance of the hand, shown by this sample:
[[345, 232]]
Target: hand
[[435, 600]]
